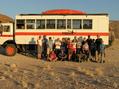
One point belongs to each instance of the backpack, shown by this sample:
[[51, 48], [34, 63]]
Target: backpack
[[102, 47], [93, 46], [86, 47]]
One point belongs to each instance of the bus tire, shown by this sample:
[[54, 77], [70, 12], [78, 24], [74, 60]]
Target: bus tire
[[10, 50]]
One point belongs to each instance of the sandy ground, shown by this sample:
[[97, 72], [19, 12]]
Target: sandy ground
[[23, 72]]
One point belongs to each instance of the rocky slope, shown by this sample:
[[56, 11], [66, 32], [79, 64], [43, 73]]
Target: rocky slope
[[114, 27], [5, 19]]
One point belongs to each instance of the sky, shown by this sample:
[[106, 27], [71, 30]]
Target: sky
[[13, 7]]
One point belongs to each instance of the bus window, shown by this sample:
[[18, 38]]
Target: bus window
[[68, 23], [20, 24], [61, 24], [87, 24], [77, 24], [6, 28], [40, 24], [30, 24], [51, 24]]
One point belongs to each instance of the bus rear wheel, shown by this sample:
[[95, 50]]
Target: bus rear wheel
[[10, 50]]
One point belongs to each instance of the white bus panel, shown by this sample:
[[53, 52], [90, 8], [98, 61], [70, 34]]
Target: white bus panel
[[29, 27]]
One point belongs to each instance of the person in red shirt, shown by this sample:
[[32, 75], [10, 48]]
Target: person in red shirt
[[74, 46], [70, 49], [52, 56]]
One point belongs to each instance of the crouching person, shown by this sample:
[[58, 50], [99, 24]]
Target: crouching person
[[85, 51], [102, 52], [62, 56], [52, 56]]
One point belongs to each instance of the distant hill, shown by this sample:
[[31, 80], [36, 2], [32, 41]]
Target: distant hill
[[5, 19], [114, 25]]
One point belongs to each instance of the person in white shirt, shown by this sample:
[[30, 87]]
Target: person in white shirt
[[57, 46], [50, 46], [39, 45], [85, 50]]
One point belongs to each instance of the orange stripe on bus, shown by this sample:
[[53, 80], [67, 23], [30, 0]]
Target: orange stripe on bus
[[6, 35], [63, 33]]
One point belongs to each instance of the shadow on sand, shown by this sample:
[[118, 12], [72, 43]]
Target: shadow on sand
[[2, 50]]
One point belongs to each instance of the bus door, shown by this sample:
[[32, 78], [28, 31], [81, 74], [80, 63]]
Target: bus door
[[6, 32]]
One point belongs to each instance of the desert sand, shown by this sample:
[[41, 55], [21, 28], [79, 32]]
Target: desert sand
[[23, 72]]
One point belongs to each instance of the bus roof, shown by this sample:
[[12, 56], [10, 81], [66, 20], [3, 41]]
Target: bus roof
[[62, 12]]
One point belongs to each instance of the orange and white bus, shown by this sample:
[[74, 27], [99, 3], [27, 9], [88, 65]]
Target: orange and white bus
[[56, 24]]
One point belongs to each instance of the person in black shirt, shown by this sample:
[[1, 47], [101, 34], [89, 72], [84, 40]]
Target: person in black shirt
[[93, 50], [44, 47], [98, 43], [89, 41]]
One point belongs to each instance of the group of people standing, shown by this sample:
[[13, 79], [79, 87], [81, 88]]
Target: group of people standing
[[79, 49]]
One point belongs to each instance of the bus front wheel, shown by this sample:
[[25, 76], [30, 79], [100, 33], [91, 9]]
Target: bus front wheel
[[10, 50]]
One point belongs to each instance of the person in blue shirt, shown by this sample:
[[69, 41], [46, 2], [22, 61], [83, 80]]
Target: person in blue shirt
[[102, 52]]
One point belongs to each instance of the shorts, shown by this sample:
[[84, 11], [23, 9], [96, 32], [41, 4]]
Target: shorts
[[49, 50], [93, 53], [39, 49], [78, 51], [70, 51]]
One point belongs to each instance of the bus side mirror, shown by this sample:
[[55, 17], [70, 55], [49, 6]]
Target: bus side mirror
[[1, 31]]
